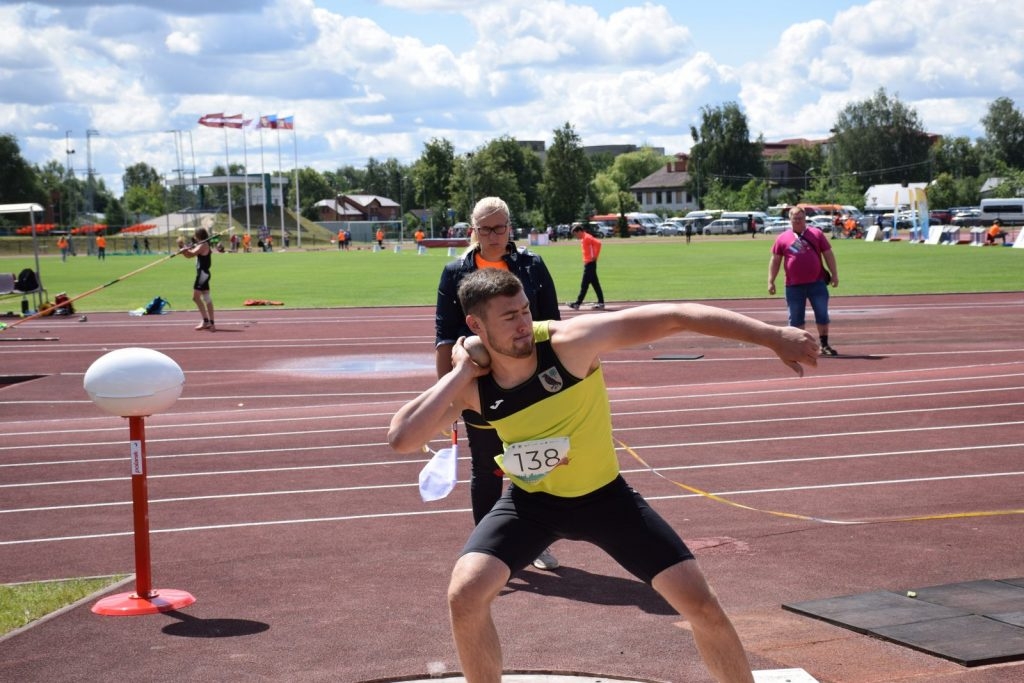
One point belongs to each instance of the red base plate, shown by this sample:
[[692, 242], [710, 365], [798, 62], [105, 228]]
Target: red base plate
[[130, 604]]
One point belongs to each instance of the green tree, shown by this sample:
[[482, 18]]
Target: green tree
[[810, 159], [114, 215], [313, 187], [431, 176], [142, 202], [18, 180], [567, 172], [141, 175], [948, 190], [881, 140], [501, 168], [627, 170], [1004, 135], [956, 156], [723, 149], [347, 180]]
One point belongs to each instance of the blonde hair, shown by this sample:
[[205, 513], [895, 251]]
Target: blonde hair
[[486, 207]]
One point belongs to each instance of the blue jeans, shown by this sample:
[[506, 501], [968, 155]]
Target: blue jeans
[[797, 296]]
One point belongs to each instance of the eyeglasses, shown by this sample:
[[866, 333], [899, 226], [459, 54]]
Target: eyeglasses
[[494, 230]]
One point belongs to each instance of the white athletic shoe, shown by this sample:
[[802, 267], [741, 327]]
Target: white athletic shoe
[[546, 560]]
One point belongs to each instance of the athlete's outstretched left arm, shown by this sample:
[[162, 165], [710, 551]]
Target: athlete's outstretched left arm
[[589, 336]]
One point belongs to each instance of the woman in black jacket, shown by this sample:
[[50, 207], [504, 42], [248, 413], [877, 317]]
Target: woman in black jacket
[[490, 247]]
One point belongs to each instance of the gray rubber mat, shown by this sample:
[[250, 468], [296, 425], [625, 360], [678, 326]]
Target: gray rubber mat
[[972, 623]]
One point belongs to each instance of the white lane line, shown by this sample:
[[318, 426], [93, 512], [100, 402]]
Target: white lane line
[[389, 515], [419, 463]]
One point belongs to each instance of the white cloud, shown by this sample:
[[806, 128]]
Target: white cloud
[[361, 88], [183, 43]]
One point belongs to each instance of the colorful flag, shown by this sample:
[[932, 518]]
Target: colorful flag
[[212, 120], [286, 123], [221, 121], [269, 121], [233, 121]]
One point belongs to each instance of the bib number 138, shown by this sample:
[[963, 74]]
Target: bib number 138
[[531, 461]]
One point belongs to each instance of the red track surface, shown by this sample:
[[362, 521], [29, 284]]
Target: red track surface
[[275, 500]]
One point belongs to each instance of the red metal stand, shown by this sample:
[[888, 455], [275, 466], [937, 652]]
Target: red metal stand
[[144, 600]]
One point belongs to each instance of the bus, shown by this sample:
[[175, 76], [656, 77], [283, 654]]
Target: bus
[[1009, 210]]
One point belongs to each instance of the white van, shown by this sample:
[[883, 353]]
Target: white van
[[1009, 210], [648, 221], [759, 217]]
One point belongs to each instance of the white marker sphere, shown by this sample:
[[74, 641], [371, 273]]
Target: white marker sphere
[[134, 382], [477, 351]]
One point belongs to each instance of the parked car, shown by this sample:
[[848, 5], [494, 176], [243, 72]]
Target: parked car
[[726, 226], [774, 226], [943, 216], [967, 217], [670, 228], [823, 223]]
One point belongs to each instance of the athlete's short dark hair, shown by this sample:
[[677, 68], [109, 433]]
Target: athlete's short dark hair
[[480, 286]]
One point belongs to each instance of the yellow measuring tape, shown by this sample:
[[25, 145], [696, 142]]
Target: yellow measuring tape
[[822, 520]]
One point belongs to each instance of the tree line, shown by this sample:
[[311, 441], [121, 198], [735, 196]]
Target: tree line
[[878, 140]]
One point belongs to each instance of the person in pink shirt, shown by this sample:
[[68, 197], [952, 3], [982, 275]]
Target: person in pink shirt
[[591, 247], [800, 252]]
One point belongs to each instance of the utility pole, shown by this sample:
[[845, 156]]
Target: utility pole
[[90, 180], [68, 202]]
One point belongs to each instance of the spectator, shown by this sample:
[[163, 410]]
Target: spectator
[[489, 247], [751, 225], [380, 238], [341, 240], [800, 251], [62, 244], [591, 248], [101, 247]]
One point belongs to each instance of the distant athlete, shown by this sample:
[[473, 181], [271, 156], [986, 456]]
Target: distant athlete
[[201, 252]]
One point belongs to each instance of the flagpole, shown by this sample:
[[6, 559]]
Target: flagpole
[[263, 176], [280, 173], [227, 175], [245, 162], [298, 215]]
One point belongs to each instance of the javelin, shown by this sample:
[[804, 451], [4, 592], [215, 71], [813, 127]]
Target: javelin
[[45, 311]]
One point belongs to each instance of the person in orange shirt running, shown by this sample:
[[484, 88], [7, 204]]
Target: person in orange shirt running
[[591, 247], [101, 247], [62, 244]]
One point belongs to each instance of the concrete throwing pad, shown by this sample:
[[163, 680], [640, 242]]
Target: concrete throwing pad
[[971, 623]]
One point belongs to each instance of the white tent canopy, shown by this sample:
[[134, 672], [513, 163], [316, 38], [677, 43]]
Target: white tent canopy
[[20, 208], [31, 210]]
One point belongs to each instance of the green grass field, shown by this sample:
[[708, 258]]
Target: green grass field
[[23, 603], [636, 269]]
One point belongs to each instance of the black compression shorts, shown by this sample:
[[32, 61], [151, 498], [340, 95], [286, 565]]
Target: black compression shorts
[[614, 517]]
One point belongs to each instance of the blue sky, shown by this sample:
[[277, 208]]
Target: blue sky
[[379, 78]]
